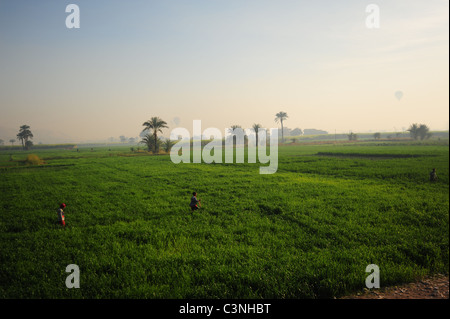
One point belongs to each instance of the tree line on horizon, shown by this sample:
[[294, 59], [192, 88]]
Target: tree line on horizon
[[155, 125]]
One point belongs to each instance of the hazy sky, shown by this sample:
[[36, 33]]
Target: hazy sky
[[223, 62]]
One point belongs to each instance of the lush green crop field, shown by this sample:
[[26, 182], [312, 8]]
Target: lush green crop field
[[307, 231]]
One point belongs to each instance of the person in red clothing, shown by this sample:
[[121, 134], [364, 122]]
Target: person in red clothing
[[194, 202], [61, 218]]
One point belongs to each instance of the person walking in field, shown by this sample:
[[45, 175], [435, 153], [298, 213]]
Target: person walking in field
[[61, 218], [195, 203], [433, 175]]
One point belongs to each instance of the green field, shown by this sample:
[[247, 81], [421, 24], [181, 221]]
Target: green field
[[307, 231]]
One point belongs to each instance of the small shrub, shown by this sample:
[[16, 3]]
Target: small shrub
[[33, 159]]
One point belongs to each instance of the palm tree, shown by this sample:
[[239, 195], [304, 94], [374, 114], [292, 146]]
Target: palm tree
[[20, 138], [24, 134], [233, 127], [149, 141], [12, 141], [255, 128], [280, 117], [156, 125], [167, 145]]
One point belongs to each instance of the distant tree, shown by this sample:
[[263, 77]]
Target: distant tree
[[421, 131], [255, 128], [296, 132], [24, 135], [2, 142], [414, 131], [111, 139], [155, 124], [286, 131], [131, 140], [28, 145], [377, 136], [123, 139], [424, 132], [279, 118], [352, 136], [12, 141]]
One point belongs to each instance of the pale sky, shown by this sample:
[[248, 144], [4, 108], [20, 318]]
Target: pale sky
[[224, 62]]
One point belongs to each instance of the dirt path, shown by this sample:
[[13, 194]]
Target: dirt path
[[436, 287]]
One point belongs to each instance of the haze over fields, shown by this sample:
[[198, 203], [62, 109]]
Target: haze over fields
[[222, 62]]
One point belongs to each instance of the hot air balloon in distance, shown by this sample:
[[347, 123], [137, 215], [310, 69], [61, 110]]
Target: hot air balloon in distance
[[399, 95]]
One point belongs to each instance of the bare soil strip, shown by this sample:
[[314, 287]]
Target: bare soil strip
[[436, 287]]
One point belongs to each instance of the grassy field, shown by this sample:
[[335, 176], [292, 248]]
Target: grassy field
[[307, 231]]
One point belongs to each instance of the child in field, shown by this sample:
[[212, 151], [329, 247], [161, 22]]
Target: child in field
[[433, 175], [194, 202], [61, 218]]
